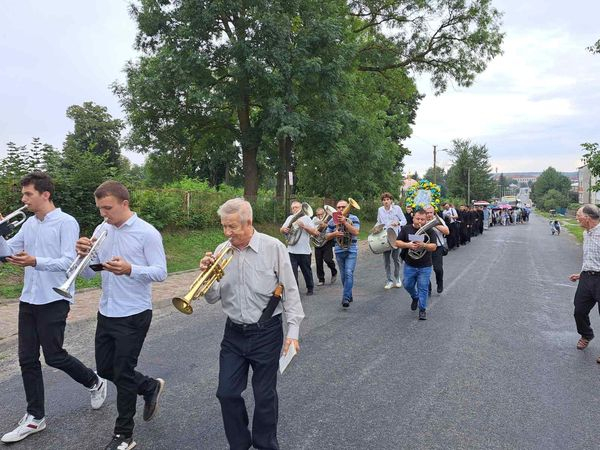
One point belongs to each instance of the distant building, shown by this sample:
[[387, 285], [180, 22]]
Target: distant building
[[585, 181]]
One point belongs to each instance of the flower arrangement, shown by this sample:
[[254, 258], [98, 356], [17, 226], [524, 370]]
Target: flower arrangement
[[422, 194]]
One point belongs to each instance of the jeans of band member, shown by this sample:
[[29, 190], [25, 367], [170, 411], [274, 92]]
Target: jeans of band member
[[586, 296], [302, 261], [416, 283], [44, 325], [242, 348], [346, 263], [325, 253], [394, 255], [119, 341], [437, 257]]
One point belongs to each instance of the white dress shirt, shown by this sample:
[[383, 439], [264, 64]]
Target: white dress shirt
[[52, 242], [386, 217], [140, 244], [302, 247]]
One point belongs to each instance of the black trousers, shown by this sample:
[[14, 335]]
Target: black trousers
[[302, 261], [325, 253], [119, 341], [244, 347], [44, 325], [437, 257], [586, 296]]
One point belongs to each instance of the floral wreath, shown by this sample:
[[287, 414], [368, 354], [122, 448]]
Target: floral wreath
[[423, 194]]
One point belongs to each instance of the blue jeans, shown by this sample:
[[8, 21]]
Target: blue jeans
[[416, 283], [346, 263]]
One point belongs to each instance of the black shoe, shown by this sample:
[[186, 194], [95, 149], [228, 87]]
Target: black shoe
[[120, 442], [422, 314], [414, 304], [151, 405], [440, 289], [310, 292], [345, 303]]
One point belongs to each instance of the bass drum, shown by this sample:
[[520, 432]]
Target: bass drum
[[383, 241]]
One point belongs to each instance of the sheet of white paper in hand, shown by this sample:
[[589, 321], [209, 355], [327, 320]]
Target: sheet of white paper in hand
[[416, 237], [286, 359]]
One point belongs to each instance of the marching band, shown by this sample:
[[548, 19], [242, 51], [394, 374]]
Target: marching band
[[247, 273]]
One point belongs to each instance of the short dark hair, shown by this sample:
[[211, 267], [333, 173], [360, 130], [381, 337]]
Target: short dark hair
[[41, 182], [420, 211], [113, 188], [387, 195]]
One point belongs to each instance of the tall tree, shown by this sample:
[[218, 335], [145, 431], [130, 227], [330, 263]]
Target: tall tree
[[591, 158], [95, 131], [550, 179], [253, 72], [470, 175]]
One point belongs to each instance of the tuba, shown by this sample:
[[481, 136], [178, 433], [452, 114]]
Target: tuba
[[418, 254], [293, 236], [205, 280], [6, 226], [344, 241], [321, 239], [80, 263]]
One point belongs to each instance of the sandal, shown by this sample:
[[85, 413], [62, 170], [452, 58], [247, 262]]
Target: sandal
[[583, 343]]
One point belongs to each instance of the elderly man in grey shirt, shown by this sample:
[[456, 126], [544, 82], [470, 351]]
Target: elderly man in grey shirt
[[259, 263]]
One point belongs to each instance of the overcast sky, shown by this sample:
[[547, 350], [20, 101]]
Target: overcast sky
[[532, 107]]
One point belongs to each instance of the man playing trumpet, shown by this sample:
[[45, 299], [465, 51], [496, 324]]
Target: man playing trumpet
[[258, 265], [45, 247]]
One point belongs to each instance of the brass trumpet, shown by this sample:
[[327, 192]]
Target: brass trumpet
[[205, 280], [344, 241], [6, 226]]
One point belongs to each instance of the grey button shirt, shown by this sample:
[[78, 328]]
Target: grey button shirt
[[250, 279]]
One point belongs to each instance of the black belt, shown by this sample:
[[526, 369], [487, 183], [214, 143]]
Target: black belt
[[591, 272], [253, 326]]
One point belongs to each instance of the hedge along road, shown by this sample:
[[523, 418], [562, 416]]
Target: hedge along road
[[494, 366]]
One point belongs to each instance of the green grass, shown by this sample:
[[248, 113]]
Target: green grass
[[183, 249]]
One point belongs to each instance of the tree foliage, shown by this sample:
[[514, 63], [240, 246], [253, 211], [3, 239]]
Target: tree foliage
[[550, 179], [95, 131], [591, 158], [470, 169], [229, 90], [554, 199]]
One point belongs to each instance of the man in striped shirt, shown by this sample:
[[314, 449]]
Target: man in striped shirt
[[588, 290]]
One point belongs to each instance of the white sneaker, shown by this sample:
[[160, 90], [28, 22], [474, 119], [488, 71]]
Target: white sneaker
[[388, 285], [27, 425], [98, 393], [399, 284]]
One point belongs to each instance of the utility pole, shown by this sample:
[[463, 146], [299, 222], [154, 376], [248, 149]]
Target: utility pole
[[468, 186], [434, 162]]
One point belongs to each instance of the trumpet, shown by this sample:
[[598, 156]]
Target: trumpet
[[205, 280], [80, 263], [6, 226]]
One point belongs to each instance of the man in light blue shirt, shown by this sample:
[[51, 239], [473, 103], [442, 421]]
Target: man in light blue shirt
[[131, 257], [345, 232], [391, 216], [45, 247]]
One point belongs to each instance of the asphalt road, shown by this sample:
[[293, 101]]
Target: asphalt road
[[494, 366]]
